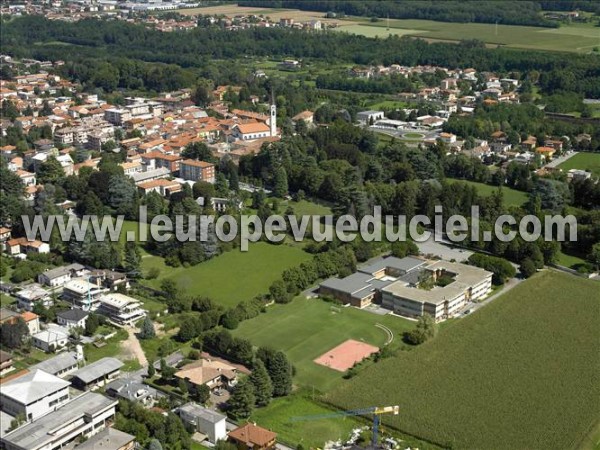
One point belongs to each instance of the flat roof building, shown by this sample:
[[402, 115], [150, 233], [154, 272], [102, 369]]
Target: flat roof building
[[33, 394], [97, 373], [84, 416]]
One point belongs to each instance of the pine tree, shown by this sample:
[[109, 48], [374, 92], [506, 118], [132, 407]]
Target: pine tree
[[132, 257], [241, 403], [147, 330], [280, 183], [263, 388], [151, 369], [280, 371]]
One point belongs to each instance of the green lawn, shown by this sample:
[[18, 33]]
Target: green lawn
[[306, 328], [6, 300], [112, 348], [511, 196], [583, 161], [570, 261], [566, 38], [314, 433], [233, 276], [521, 373]]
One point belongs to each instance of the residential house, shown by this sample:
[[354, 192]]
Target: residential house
[[546, 152], [60, 365], [6, 363], [5, 234], [61, 275], [32, 321], [193, 170], [110, 279], [251, 436], [205, 421], [121, 309], [31, 295], [52, 339], [212, 373], [82, 417], [97, 373], [83, 294], [33, 394], [109, 439], [132, 390], [72, 318]]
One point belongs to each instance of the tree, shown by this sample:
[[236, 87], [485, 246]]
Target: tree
[[183, 387], [46, 109], [50, 171], [155, 445], [280, 182], [402, 249], [527, 268], [151, 369], [594, 256], [263, 388], [147, 329], [91, 324], [13, 334], [279, 293], [166, 372], [242, 401], [132, 259], [280, 372], [201, 394], [426, 329]]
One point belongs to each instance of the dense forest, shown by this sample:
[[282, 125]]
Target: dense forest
[[93, 40], [506, 12]]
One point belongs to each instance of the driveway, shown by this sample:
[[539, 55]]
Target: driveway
[[131, 346]]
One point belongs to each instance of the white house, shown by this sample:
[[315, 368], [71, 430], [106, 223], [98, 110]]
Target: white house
[[205, 421], [31, 295], [121, 308], [61, 275], [34, 394], [51, 339], [72, 318], [366, 117]]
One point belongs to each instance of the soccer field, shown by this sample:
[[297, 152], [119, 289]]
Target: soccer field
[[522, 372], [583, 161], [566, 38], [306, 328]]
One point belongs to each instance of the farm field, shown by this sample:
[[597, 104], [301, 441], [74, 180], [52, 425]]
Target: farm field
[[233, 276], [583, 161], [521, 372], [511, 196], [565, 38], [306, 328]]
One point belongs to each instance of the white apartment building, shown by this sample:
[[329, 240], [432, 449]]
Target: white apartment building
[[34, 394]]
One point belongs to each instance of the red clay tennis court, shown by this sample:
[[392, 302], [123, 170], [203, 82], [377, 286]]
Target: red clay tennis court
[[345, 355]]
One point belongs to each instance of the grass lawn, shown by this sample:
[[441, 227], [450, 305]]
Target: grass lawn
[[583, 161], [522, 372], [233, 276], [6, 300], [570, 261], [511, 196], [311, 434], [112, 349], [566, 38], [306, 208], [305, 329]]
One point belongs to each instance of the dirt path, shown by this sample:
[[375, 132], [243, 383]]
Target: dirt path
[[132, 347]]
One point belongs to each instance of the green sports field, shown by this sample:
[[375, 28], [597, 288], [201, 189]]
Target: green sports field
[[233, 276], [307, 328], [522, 372], [571, 38], [511, 196], [583, 161]]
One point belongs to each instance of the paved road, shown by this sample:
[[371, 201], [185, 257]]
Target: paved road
[[561, 159]]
